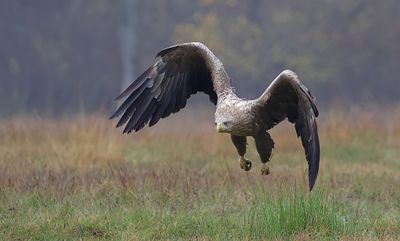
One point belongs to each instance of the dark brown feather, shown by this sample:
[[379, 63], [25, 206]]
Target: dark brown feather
[[287, 97], [178, 72]]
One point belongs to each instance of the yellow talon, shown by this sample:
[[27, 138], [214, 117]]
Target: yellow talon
[[245, 164], [265, 169]]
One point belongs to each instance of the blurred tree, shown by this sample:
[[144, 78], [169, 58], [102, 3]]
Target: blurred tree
[[73, 55], [128, 34]]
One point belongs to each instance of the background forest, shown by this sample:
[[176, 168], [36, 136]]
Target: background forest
[[68, 56], [66, 172]]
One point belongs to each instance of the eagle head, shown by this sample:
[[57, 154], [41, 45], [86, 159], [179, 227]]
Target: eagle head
[[224, 126], [224, 120]]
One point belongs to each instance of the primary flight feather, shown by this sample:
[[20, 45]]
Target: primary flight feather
[[185, 69]]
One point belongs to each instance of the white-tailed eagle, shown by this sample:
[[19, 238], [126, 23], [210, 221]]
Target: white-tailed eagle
[[185, 69]]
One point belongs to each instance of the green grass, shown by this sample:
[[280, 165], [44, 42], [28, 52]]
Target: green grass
[[119, 215], [68, 180], [123, 215]]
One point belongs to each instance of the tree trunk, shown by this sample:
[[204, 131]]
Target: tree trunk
[[127, 34]]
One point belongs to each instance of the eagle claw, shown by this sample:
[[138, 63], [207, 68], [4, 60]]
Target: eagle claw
[[265, 170], [245, 164]]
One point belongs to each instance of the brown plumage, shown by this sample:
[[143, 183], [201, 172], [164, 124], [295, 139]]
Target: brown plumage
[[185, 69]]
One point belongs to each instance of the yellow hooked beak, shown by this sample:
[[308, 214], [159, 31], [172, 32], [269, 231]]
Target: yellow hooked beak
[[220, 127]]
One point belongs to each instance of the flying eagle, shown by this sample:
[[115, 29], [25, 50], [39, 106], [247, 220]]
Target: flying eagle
[[182, 70]]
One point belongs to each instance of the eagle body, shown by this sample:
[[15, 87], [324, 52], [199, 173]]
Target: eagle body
[[182, 70]]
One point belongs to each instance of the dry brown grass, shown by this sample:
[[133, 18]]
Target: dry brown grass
[[183, 155], [88, 150]]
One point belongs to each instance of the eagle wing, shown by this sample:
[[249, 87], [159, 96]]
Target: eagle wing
[[178, 72], [287, 97]]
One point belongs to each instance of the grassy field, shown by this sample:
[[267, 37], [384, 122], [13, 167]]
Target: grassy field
[[80, 179]]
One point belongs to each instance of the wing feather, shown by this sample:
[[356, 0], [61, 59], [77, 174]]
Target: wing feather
[[287, 97], [138, 113], [129, 106], [178, 72], [136, 84]]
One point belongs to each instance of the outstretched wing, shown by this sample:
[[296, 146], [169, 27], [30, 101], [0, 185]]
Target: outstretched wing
[[287, 97], [178, 72]]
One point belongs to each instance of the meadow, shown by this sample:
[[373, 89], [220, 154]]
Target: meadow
[[79, 178]]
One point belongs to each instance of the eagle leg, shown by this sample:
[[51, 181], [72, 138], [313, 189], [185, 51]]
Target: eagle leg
[[264, 145], [240, 143]]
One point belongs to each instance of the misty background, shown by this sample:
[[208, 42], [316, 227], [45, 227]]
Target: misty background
[[69, 56]]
